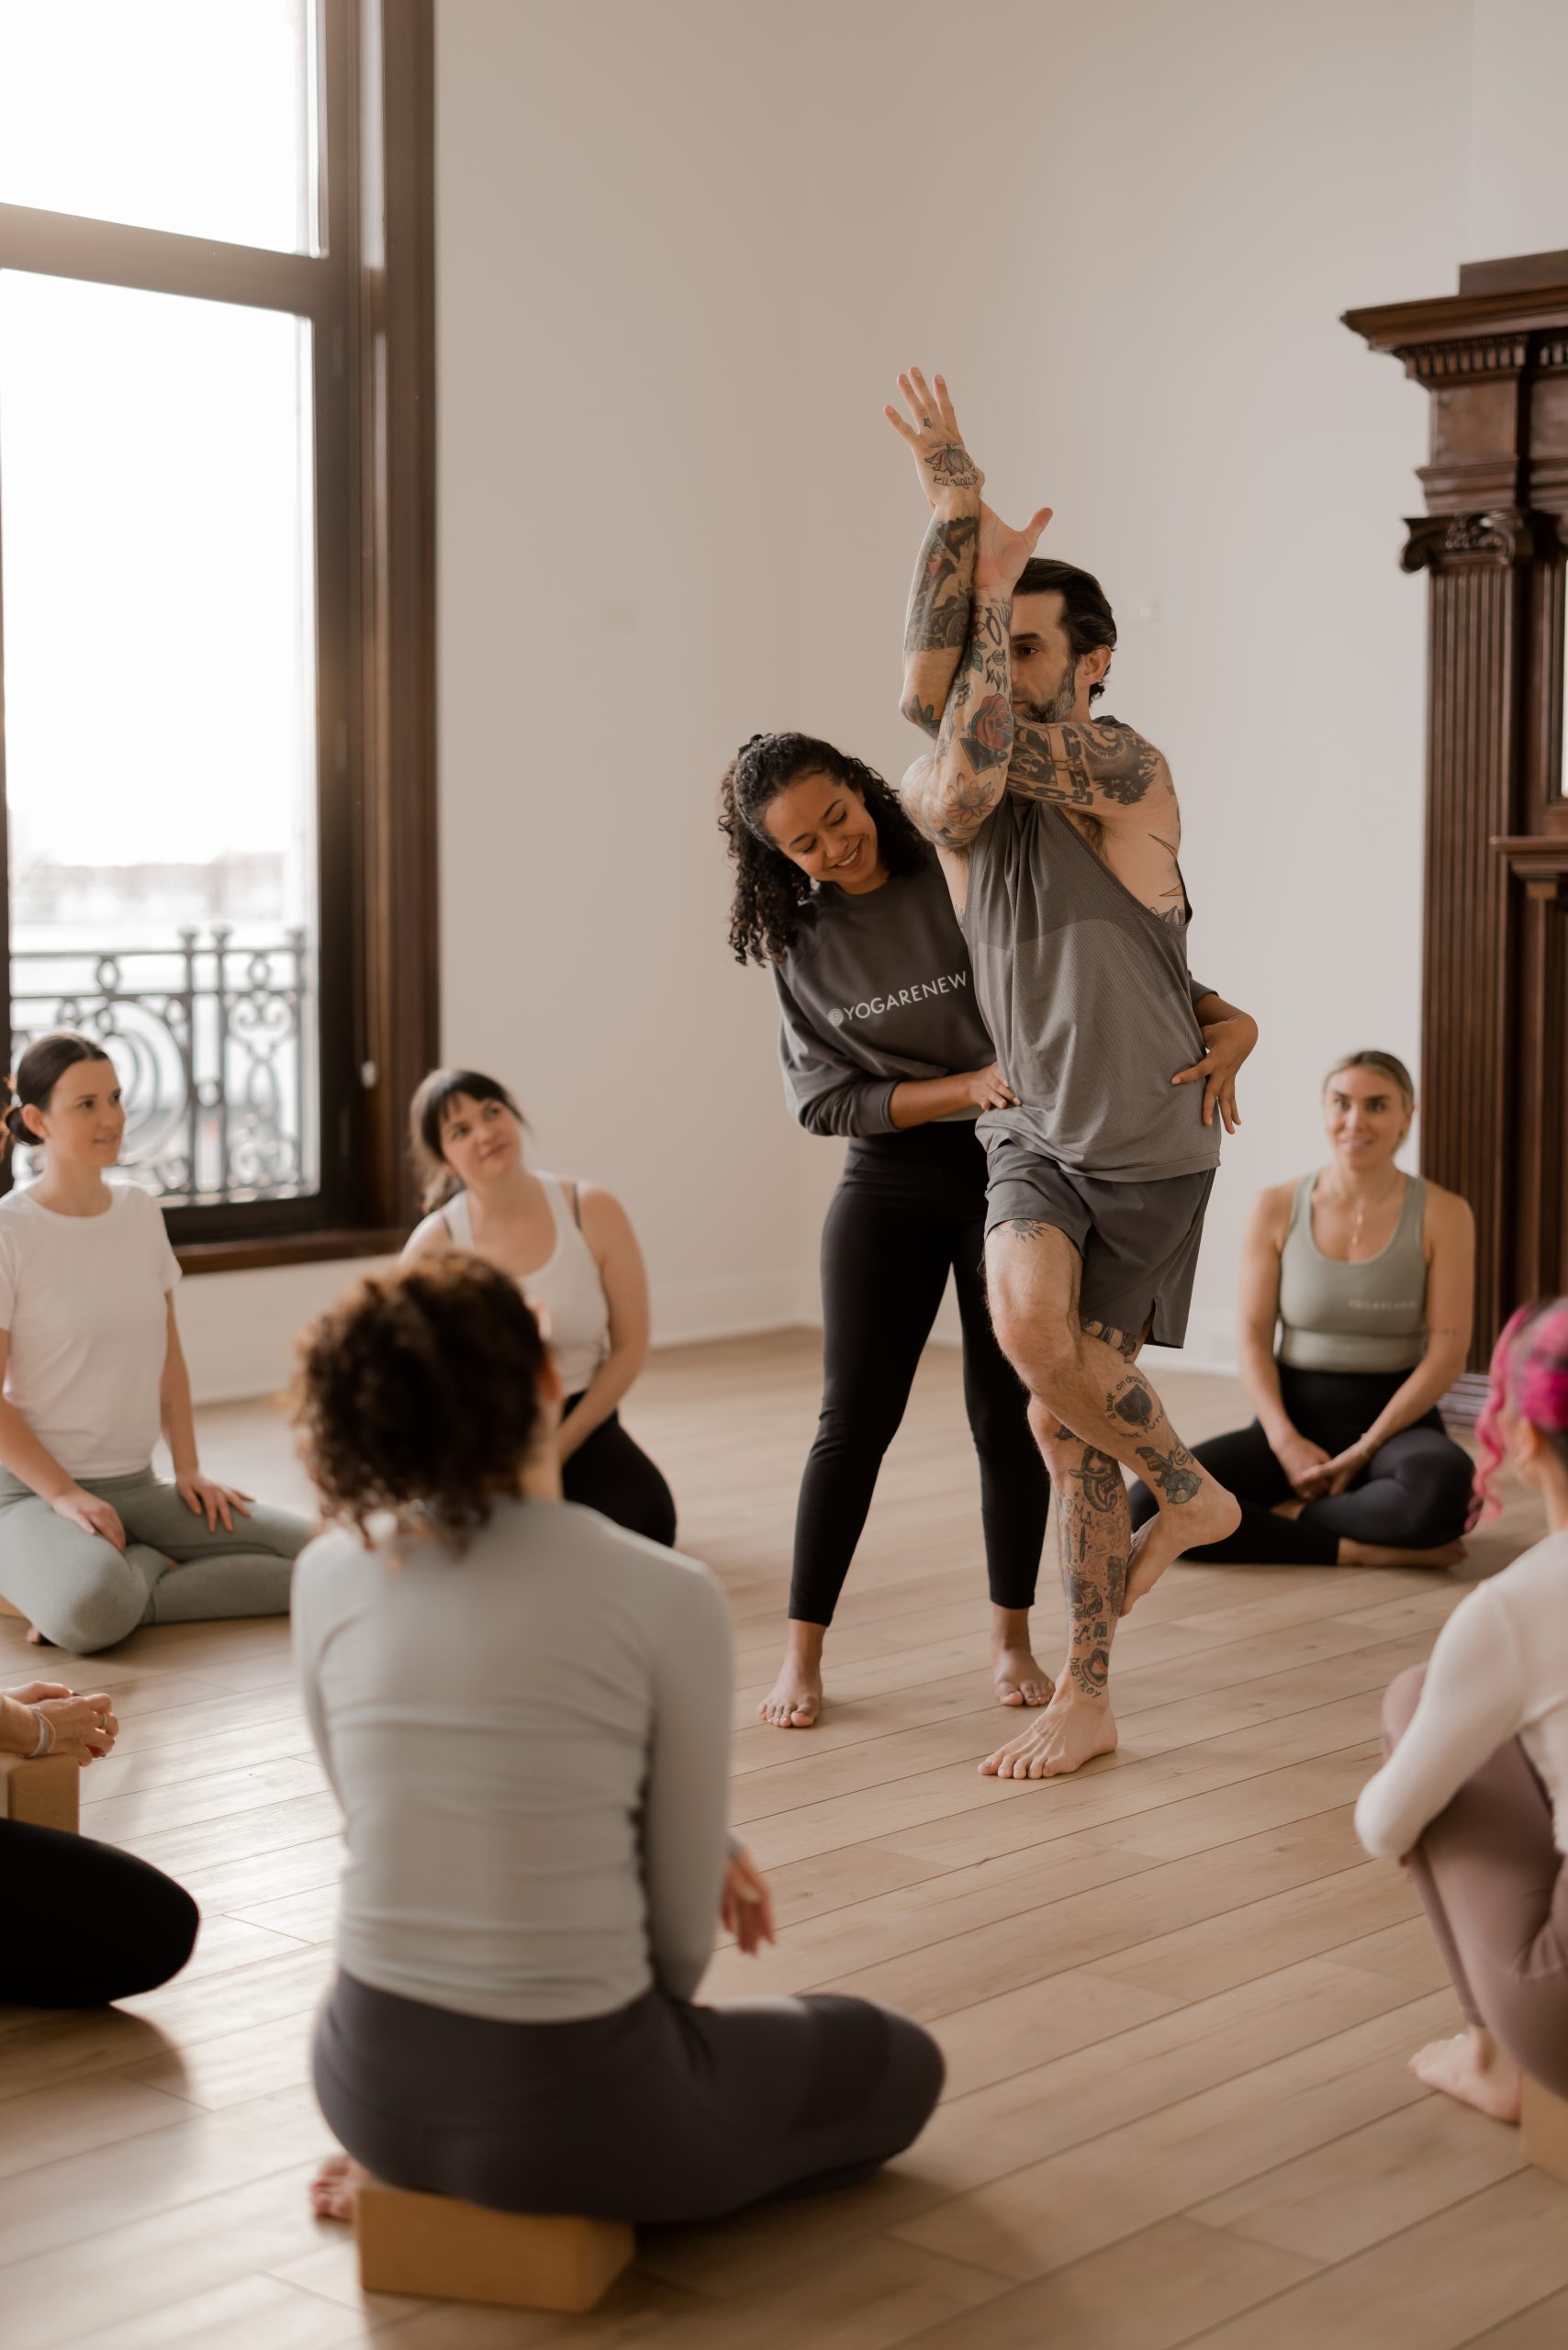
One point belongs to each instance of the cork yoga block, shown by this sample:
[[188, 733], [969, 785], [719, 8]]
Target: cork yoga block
[[46, 1794], [448, 2251], [1546, 2130]]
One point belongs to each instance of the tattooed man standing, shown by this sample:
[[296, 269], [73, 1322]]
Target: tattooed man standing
[[1059, 836]]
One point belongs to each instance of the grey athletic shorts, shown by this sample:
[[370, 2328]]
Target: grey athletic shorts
[[1139, 1241]]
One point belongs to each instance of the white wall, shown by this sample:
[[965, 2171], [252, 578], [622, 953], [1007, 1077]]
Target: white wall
[[1127, 233], [1519, 139], [683, 250], [618, 606]]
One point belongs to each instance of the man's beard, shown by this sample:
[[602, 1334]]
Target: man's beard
[[1060, 705]]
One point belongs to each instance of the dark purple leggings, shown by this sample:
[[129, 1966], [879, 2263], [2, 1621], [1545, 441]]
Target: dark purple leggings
[[1495, 1889]]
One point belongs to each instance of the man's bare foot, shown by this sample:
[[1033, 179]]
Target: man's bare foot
[[1472, 2068], [1070, 1732], [1377, 1554], [334, 2190], [1019, 1680], [1209, 1516], [795, 1699]]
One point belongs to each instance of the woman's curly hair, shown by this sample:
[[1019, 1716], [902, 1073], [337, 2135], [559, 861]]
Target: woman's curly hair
[[420, 1395], [770, 888]]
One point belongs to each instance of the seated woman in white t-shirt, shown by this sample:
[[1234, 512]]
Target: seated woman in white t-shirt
[[571, 1249], [93, 1541], [1473, 1797], [524, 1712]]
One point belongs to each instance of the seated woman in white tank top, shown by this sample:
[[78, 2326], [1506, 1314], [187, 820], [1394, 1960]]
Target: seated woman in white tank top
[[571, 1249], [1366, 1274]]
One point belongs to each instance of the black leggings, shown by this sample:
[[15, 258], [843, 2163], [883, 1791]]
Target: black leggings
[[660, 2111], [1412, 1494], [85, 1923], [911, 1207], [611, 1473]]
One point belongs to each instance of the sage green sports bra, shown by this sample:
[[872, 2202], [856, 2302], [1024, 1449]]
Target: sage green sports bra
[[1370, 1315]]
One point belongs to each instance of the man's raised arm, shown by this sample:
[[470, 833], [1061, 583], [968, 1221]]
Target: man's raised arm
[[938, 627], [952, 790]]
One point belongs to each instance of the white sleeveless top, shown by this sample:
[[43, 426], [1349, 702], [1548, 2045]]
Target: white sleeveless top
[[566, 1288]]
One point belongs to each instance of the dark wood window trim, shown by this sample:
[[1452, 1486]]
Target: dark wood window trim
[[371, 296]]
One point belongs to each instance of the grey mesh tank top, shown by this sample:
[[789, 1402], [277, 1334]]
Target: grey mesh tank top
[[1085, 994], [1367, 1316]]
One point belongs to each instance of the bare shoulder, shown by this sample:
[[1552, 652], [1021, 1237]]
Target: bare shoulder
[[604, 1220], [1446, 1217], [1271, 1214]]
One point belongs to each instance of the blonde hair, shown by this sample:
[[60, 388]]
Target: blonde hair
[[1388, 1063]]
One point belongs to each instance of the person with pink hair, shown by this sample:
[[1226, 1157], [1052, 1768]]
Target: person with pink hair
[[1474, 1795]]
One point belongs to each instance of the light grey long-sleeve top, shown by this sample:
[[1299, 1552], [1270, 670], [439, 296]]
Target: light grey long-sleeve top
[[529, 1743]]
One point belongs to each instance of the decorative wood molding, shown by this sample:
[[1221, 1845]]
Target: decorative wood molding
[[1445, 541], [1493, 359]]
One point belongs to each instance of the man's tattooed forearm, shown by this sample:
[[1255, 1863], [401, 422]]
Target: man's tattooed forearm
[[939, 604], [1078, 764], [1175, 1472]]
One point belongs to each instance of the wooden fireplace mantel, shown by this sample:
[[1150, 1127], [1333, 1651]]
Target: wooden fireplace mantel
[[1493, 545]]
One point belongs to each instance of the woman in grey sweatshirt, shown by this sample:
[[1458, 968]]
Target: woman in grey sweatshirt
[[882, 1043], [524, 1712]]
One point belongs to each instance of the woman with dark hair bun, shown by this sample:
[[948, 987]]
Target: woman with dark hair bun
[[571, 1248], [93, 1541], [882, 1043], [524, 1711], [1355, 1314]]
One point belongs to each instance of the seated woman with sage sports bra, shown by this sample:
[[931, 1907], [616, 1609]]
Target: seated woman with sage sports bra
[[1369, 1274], [571, 1249]]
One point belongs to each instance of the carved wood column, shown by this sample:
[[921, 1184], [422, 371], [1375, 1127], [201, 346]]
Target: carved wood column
[[1494, 991]]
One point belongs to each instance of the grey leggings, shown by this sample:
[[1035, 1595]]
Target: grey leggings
[[83, 1595], [1495, 1892], [661, 2111]]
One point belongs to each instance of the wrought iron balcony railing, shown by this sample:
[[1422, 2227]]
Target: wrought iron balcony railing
[[215, 1044]]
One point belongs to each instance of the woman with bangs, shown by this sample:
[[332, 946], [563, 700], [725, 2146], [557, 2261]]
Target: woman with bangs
[[1473, 1797], [571, 1249]]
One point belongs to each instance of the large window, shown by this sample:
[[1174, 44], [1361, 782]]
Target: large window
[[214, 442]]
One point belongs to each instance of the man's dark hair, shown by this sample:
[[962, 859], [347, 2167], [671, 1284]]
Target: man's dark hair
[[1086, 615]]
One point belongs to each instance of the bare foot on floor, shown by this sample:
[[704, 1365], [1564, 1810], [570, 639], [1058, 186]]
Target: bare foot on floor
[[36, 1640], [1472, 2068], [334, 2190], [1376, 1554], [1019, 1680], [1070, 1732], [1208, 1517], [795, 1699]]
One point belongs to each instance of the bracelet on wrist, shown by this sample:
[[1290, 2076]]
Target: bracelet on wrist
[[46, 1735]]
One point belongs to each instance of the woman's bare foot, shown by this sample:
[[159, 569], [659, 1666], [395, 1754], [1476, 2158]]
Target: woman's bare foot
[[795, 1699], [1018, 1677], [1071, 1731], [334, 2190], [1377, 1554], [36, 1640], [1209, 1516], [1472, 2067]]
